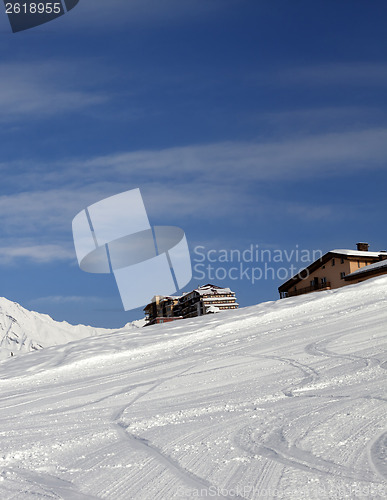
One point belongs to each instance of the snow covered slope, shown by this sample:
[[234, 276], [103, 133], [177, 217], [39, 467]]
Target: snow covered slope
[[23, 331], [286, 399]]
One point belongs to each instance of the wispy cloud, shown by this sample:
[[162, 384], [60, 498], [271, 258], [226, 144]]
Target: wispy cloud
[[226, 180], [37, 89], [352, 74], [124, 12], [35, 253], [317, 154], [320, 120], [33, 211], [196, 169], [68, 299]]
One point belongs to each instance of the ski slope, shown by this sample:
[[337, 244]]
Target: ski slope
[[285, 399]]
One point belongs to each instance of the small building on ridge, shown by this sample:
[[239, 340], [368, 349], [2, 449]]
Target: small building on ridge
[[336, 269], [206, 299]]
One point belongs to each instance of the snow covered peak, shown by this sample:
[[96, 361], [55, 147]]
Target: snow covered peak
[[23, 331]]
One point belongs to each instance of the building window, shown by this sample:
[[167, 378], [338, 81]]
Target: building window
[[323, 281], [342, 260], [358, 263], [333, 262], [342, 275]]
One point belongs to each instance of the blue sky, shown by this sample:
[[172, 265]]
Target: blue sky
[[244, 122]]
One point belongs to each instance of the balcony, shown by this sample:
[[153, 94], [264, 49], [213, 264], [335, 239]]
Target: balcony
[[309, 289]]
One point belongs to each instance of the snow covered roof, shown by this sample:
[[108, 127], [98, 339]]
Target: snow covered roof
[[164, 297], [211, 289], [357, 253], [372, 267]]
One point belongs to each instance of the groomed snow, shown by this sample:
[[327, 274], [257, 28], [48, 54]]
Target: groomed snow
[[286, 399]]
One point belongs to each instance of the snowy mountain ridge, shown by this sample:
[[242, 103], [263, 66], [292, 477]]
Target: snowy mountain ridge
[[22, 330]]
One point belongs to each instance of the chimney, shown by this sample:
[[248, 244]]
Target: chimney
[[362, 247]]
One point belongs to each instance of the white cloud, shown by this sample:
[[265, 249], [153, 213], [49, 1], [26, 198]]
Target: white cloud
[[39, 89], [123, 12], [358, 73], [35, 253], [221, 181], [68, 299], [36, 211], [295, 157], [320, 119], [350, 74]]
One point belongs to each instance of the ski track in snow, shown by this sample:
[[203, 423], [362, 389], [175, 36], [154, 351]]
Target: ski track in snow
[[191, 480], [281, 400], [378, 455]]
